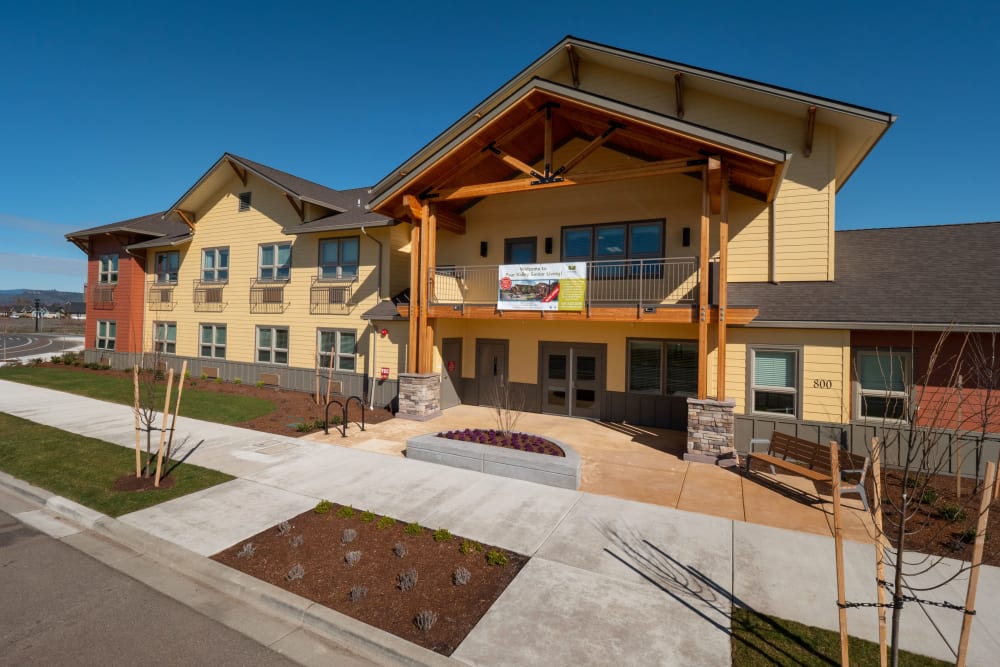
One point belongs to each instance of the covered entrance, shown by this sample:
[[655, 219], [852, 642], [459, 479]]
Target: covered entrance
[[573, 378]]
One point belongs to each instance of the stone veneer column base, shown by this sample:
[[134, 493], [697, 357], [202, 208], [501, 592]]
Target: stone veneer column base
[[711, 432], [419, 396]]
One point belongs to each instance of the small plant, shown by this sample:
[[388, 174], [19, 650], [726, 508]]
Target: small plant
[[297, 572], [413, 529], [358, 593], [237, 381], [218, 380], [399, 549], [406, 580], [304, 427], [968, 535], [352, 557], [348, 536], [157, 374], [495, 557], [297, 541], [367, 517], [951, 513], [385, 522], [442, 535], [929, 497], [56, 360], [323, 506], [187, 375], [345, 512], [916, 480], [461, 576], [247, 551], [260, 384], [425, 620], [468, 546], [204, 376], [318, 424], [284, 528]]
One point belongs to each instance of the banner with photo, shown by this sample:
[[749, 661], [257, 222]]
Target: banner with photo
[[558, 286]]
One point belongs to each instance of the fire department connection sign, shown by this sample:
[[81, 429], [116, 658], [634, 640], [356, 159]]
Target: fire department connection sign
[[542, 286]]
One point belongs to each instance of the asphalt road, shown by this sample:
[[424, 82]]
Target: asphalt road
[[23, 345], [61, 607]]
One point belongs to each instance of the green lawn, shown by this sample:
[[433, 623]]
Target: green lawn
[[84, 469], [760, 641], [117, 388]]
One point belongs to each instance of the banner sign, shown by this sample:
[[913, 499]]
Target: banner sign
[[542, 286]]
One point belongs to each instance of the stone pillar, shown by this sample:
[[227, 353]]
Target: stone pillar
[[419, 396], [711, 431]]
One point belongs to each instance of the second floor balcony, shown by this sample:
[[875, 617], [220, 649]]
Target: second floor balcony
[[161, 295], [268, 296], [101, 296]]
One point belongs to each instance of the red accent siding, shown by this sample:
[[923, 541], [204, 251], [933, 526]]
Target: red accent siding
[[129, 299]]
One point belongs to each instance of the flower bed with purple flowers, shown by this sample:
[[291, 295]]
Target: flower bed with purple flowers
[[524, 442]]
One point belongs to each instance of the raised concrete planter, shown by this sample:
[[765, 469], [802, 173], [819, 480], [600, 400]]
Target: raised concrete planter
[[563, 472]]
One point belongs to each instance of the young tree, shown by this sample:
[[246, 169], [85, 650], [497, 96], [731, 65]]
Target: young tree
[[508, 405]]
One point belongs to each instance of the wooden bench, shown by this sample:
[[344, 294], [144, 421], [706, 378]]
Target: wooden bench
[[811, 461]]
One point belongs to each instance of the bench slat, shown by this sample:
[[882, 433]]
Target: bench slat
[[792, 467]]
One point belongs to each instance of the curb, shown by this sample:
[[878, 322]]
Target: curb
[[360, 638]]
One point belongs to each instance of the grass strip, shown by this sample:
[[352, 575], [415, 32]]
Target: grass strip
[[117, 388], [85, 469], [760, 641]]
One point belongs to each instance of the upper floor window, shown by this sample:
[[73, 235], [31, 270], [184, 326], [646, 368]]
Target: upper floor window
[[244, 202], [107, 269], [215, 265], [342, 345], [620, 240], [165, 337], [338, 258], [881, 390], [275, 261], [774, 380], [520, 250], [107, 331], [167, 264]]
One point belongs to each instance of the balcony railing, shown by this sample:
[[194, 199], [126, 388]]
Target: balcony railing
[[641, 282], [101, 296], [160, 296], [268, 296], [209, 296], [330, 296]]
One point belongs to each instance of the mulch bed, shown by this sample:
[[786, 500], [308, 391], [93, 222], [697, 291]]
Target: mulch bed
[[328, 579], [130, 482], [522, 442]]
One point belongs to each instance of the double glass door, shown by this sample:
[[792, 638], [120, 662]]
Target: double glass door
[[573, 379]]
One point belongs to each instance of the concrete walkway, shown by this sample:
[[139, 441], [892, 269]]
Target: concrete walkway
[[610, 580]]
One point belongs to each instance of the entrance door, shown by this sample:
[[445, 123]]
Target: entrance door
[[572, 379], [491, 368], [451, 376]]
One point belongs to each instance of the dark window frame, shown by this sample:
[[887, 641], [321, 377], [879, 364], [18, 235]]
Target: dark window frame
[[664, 366], [858, 392], [166, 277], [339, 264], [627, 254], [509, 243]]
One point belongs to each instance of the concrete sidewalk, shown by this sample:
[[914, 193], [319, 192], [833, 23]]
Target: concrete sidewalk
[[610, 581]]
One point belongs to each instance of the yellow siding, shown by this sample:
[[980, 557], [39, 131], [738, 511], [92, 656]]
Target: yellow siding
[[399, 259]]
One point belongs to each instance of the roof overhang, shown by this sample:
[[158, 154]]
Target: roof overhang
[[876, 326], [161, 242]]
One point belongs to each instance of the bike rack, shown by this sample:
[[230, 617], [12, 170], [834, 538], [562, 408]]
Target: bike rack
[[343, 412]]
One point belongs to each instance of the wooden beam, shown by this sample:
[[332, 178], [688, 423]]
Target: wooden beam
[[583, 178], [679, 94], [810, 130], [187, 217], [453, 222], [594, 144], [715, 185], [412, 345], [512, 161], [430, 245], [665, 315], [720, 382], [574, 65], [548, 141], [299, 207], [703, 306], [240, 173], [425, 219]]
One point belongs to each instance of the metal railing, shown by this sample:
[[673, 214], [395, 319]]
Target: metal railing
[[160, 296], [101, 296], [267, 296], [208, 296], [643, 282], [331, 295]]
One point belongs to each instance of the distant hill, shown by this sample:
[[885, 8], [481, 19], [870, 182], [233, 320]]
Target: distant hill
[[27, 296]]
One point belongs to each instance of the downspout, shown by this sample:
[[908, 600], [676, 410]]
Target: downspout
[[772, 246], [378, 294]]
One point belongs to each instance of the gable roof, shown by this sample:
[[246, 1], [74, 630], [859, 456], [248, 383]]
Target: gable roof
[[355, 214], [153, 224], [904, 277]]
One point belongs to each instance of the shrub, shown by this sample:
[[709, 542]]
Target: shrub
[[358, 593], [951, 513], [297, 572], [104, 367], [385, 522], [187, 375], [352, 557], [399, 549], [304, 427], [297, 541], [425, 620], [323, 506], [204, 376], [468, 546], [348, 536], [442, 535], [56, 360], [318, 424], [413, 529], [968, 535], [247, 551], [218, 380], [237, 381], [406, 580], [345, 512], [929, 497], [260, 384], [367, 517], [915, 480], [461, 576], [284, 528], [495, 557]]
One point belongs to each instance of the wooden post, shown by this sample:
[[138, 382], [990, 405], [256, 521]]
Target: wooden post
[[413, 346], [316, 375], [977, 561], [703, 306], [173, 422], [996, 485], [838, 543], [883, 640], [425, 216], [723, 285], [138, 446], [163, 430], [430, 247]]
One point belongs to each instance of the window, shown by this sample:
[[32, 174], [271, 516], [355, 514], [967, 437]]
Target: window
[[165, 337], [774, 380], [167, 264], [520, 251], [275, 261], [342, 345], [338, 258], [663, 367], [215, 265], [881, 387], [107, 271], [244, 202], [213, 340], [272, 345], [624, 240], [106, 333]]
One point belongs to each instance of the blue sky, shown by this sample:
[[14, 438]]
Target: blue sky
[[110, 110]]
